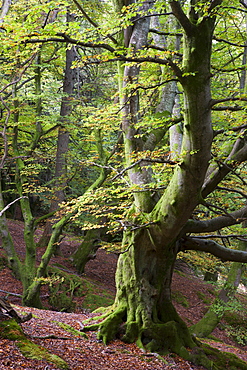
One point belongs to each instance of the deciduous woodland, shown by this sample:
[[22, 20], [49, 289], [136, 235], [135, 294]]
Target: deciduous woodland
[[125, 121]]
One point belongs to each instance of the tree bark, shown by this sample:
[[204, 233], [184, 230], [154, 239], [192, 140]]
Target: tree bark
[[211, 319], [4, 10], [143, 299], [143, 278], [7, 241], [60, 177]]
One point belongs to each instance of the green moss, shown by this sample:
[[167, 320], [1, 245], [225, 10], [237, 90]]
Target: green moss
[[212, 337], [71, 330], [203, 297], [94, 301], [11, 330], [180, 298], [109, 327], [62, 302], [235, 318], [224, 360], [169, 337], [3, 262], [35, 352], [65, 286], [205, 326]]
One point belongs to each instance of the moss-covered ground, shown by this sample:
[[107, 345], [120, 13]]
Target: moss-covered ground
[[11, 330], [65, 286]]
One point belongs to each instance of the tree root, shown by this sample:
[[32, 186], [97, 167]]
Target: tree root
[[109, 327]]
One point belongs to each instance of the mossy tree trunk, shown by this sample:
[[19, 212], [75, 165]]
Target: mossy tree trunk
[[216, 311], [7, 241], [31, 294], [143, 300], [87, 249], [28, 266], [29, 274]]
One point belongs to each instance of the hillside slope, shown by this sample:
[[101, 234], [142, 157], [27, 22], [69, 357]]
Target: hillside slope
[[191, 297]]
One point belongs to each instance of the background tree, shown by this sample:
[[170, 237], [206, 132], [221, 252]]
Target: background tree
[[30, 147], [60, 177]]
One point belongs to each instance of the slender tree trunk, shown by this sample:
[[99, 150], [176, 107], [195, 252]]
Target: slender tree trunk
[[213, 316], [7, 241], [31, 295], [4, 10], [60, 177], [87, 249], [28, 270], [216, 311]]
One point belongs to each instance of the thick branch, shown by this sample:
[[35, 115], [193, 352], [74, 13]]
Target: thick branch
[[62, 37], [182, 18], [215, 175], [193, 226], [210, 246], [230, 98], [10, 204], [4, 10]]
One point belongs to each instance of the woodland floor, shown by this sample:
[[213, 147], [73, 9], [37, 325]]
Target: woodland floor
[[89, 353]]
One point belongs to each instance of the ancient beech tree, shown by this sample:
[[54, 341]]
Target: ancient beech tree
[[157, 229]]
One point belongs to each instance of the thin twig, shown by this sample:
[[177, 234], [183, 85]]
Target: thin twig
[[211, 206], [242, 237], [157, 160]]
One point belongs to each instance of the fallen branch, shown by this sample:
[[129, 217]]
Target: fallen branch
[[51, 336], [10, 204], [10, 293]]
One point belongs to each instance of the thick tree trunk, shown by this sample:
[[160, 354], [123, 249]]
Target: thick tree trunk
[[143, 309], [143, 300]]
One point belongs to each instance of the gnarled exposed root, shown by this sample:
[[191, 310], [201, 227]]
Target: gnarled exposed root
[[109, 327], [172, 336]]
